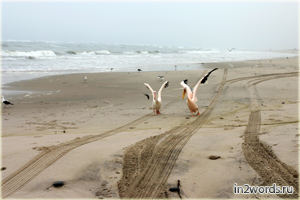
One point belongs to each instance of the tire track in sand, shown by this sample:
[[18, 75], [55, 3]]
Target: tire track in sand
[[25, 174], [259, 154], [39, 163], [148, 164]]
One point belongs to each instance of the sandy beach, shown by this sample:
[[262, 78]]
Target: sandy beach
[[101, 138]]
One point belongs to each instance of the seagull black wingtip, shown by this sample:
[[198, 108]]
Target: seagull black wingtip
[[147, 96]]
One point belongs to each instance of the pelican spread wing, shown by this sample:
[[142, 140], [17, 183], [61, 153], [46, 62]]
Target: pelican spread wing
[[164, 85], [202, 81], [150, 88]]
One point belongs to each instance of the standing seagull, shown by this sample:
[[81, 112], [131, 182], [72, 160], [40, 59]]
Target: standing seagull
[[85, 79], [161, 77], [5, 102], [191, 94], [156, 104]]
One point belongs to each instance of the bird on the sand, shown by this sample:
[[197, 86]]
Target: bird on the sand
[[176, 189], [161, 77], [191, 94], [85, 79], [5, 102], [157, 101]]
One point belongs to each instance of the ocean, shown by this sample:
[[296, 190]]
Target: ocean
[[22, 60]]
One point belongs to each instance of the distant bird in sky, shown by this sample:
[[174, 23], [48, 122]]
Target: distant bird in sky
[[191, 94], [157, 101], [5, 102], [85, 79], [294, 50], [230, 49]]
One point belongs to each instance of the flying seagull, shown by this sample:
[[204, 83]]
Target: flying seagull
[[230, 49], [5, 102], [157, 101], [191, 94]]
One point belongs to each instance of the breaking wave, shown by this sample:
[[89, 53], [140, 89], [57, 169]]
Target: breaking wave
[[29, 54]]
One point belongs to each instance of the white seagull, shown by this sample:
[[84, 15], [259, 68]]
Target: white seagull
[[157, 101], [85, 79], [230, 50], [5, 102], [191, 94], [161, 77]]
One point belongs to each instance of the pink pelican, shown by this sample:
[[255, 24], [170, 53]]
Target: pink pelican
[[191, 94]]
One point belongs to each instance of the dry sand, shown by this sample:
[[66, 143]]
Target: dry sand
[[101, 138]]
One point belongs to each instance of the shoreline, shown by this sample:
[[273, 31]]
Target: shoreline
[[156, 68], [63, 108]]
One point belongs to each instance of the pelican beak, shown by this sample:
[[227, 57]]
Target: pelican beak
[[183, 94]]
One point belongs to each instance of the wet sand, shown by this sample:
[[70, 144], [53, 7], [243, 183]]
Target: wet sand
[[120, 149]]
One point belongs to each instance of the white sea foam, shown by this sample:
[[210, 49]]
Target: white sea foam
[[92, 53], [102, 52], [27, 54], [129, 52]]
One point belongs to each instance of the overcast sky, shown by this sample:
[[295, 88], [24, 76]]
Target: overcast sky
[[208, 24]]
